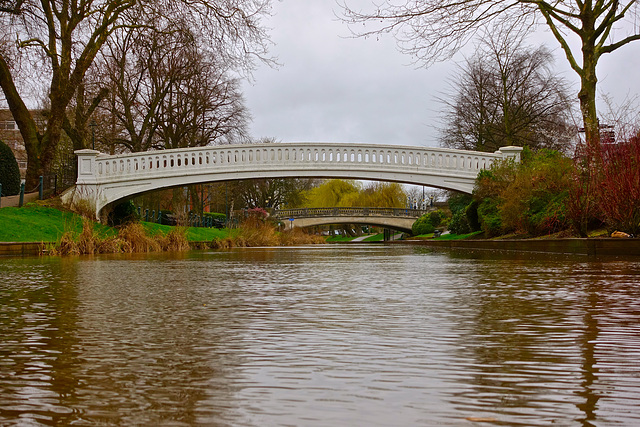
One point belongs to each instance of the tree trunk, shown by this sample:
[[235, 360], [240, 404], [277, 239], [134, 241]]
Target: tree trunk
[[587, 97]]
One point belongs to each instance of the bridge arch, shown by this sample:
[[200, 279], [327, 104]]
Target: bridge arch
[[105, 179], [395, 218]]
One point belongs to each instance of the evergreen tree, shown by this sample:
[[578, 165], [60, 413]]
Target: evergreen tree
[[9, 171]]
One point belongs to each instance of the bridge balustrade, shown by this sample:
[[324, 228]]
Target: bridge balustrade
[[195, 159], [349, 211]]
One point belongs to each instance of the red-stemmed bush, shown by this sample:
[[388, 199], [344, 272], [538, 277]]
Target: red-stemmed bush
[[619, 186]]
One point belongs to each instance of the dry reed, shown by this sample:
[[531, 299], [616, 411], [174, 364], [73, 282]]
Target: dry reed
[[134, 235], [133, 238], [254, 233], [298, 236], [175, 240]]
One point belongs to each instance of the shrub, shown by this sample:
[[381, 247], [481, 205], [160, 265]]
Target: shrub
[[435, 217], [123, 213], [422, 225], [218, 220], [490, 218], [459, 223], [9, 171], [471, 212], [459, 201], [529, 197], [258, 213], [217, 216], [618, 189]]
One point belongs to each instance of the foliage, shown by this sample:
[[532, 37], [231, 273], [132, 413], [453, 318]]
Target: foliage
[[333, 193], [606, 187], [254, 232], [423, 225], [464, 211], [459, 201], [9, 171], [459, 223], [258, 213], [298, 236], [530, 197], [348, 193], [471, 212], [619, 189], [382, 195], [490, 218], [435, 217], [215, 215], [123, 213]]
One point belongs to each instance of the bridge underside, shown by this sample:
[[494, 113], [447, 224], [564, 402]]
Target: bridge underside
[[395, 223]]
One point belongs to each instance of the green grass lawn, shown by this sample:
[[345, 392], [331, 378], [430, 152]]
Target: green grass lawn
[[458, 236], [194, 234], [34, 223], [339, 239], [375, 238]]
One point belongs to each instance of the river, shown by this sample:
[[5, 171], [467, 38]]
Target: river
[[328, 335]]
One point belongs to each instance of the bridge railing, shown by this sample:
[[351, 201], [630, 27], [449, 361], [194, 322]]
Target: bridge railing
[[95, 167], [355, 212]]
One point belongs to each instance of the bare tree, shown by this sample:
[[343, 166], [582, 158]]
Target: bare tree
[[204, 107], [62, 38], [507, 94], [167, 92], [434, 29]]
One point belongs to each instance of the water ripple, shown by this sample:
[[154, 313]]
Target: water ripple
[[344, 335]]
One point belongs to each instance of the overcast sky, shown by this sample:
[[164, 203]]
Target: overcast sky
[[334, 88]]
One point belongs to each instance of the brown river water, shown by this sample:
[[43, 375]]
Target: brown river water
[[329, 335]]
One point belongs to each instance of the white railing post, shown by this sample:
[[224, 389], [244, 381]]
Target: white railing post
[[510, 152], [87, 173]]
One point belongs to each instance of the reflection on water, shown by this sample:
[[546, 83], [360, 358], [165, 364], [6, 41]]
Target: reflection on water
[[342, 335]]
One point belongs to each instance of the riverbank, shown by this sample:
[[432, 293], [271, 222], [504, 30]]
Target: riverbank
[[575, 246], [38, 229]]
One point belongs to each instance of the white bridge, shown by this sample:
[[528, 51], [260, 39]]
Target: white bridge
[[105, 179], [395, 218]]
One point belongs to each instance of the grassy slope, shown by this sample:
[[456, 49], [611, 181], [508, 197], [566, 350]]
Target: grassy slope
[[194, 234], [339, 239], [34, 223]]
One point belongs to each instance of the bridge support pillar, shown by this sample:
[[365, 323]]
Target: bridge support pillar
[[85, 195]]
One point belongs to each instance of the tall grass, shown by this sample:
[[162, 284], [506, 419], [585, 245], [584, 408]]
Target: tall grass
[[255, 232], [131, 238]]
